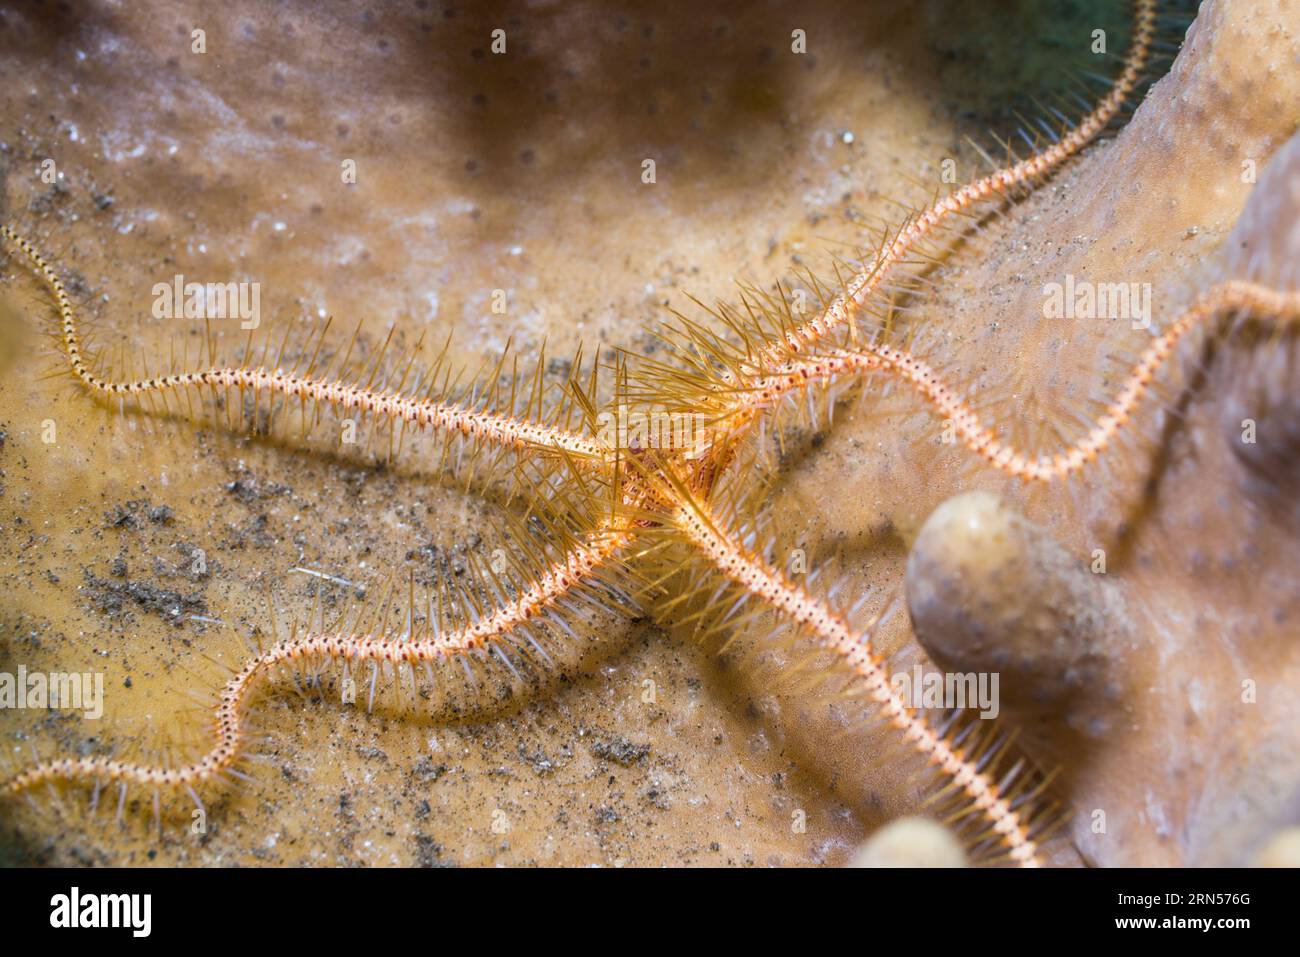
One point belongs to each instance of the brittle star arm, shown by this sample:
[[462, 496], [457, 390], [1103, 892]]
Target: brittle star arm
[[833, 633], [1216, 303], [594, 551], [493, 427], [860, 287]]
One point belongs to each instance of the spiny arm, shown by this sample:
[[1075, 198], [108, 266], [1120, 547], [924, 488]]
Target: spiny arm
[[860, 288], [493, 427], [580, 564], [1217, 302], [750, 571]]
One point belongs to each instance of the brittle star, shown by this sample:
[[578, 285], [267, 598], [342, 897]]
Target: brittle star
[[658, 498]]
